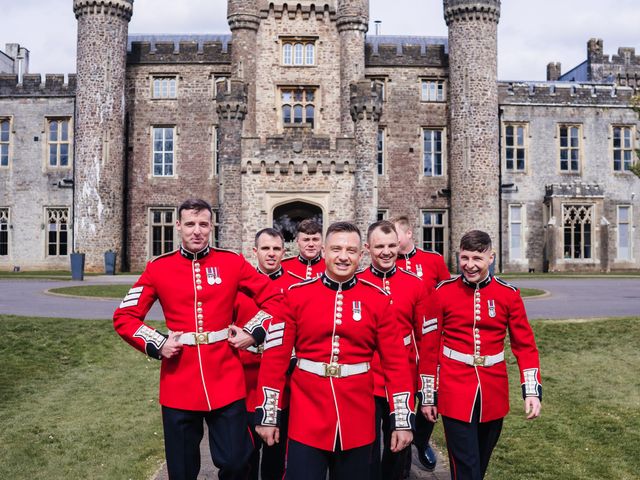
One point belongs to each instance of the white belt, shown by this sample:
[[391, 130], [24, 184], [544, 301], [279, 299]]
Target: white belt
[[473, 360], [203, 338], [407, 340], [337, 370]]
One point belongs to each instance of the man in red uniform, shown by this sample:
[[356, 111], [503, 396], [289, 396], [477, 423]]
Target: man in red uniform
[[472, 315], [430, 267], [335, 322], [269, 250], [309, 262], [408, 294], [201, 375]]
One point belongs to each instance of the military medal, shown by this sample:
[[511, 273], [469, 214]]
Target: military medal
[[357, 311], [213, 277], [419, 270], [492, 308]]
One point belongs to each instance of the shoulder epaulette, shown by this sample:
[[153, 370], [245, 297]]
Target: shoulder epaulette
[[369, 284], [217, 249], [303, 283], [163, 255], [505, 284], [444, 282], [410, 273]]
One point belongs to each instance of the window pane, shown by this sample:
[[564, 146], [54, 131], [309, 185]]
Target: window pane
[[297, 114], [310, 55], [53, 131], [297, 54], [309, 95], [309, 115], [286, 114], [286, 54]]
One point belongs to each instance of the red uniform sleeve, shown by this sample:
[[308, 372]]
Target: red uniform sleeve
[[398, 381], [443, 271], [420, 313], [523, 346], [430, 350], [128, 319]]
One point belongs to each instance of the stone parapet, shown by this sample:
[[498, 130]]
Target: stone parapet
[[406, 51], [471, 10], [565, 93], [173, 49], [574, 190], [280, 9], [232, 104], [118, 8], [366, 101], [32, 85]]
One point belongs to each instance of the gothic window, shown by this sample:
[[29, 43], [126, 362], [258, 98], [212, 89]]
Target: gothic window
[[163, 151], [434, 229], [5, 137], [624, 232], [165, 87], [515, 149], [569, 148], [57, 231], [623, 149], [433, 157], [298, 52], [162, 230], [433, 90], [578, 223], [58, 142], [516, 234], [4, 231], [298, 106], [381, 151]]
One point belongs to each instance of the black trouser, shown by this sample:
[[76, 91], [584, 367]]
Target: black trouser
[[309, 463], [229, 441], [392, 465], [470, 444], [273, 457], [424, 429]]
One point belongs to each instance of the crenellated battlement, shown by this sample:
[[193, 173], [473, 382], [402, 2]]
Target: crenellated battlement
[[405, 51], [32, 85], [171, 49], [320, 10], [564, 93], [470, 10]]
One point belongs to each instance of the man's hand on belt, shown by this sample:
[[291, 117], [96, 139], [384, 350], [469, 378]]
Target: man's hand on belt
[[240, 339], [172, 346], [270, 435]]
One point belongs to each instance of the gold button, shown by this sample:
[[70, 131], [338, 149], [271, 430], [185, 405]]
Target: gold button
[[199, 309], [338, 322], [199, 287], [200, 317], [199, 304]]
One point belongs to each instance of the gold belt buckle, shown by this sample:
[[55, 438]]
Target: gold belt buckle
[[332, 370], [479, 360], [202, 338]]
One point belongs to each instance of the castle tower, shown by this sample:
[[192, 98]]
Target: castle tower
[[243, 19], [99, 127], [473, 112], [366, 108], [352, 23]]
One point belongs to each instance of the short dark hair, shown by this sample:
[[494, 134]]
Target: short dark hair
[[384, 225], [272, 232], [475, 241], [346, 227], [196, 204], [309, 226]]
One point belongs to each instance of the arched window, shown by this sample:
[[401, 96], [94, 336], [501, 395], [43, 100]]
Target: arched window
[[286, 54], [286, 114], [297, 114], [309, 113], [310, 54], [297, 54]]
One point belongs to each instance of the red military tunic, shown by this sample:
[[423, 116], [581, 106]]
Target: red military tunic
[[473, 320], [427, 265], [408, 295], [334, 323], [197, 293], [303, 268], [247, 315]]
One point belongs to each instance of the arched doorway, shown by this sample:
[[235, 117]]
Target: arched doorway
[[287, 216]]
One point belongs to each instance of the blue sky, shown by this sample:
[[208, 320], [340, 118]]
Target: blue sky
[[531, 34]]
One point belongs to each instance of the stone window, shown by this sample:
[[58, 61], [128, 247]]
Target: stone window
[[433, 90], [623, 148], [577, 221], [57, 231], [382, 81], [215, 147], [162, 230], [5, 141], [515, 148], [569, 136], [163, 151], [298, 52], [381, 151], [434, 229], [220, 84], [298, 106], [165, 87], [58, 142], [516, 232], [432, 154], [624, 232], [382, 214], [4, 232]]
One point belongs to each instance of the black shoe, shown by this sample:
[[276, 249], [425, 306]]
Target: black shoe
[[427, 458]]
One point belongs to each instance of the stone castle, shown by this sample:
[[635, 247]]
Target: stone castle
[[300, 113]]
